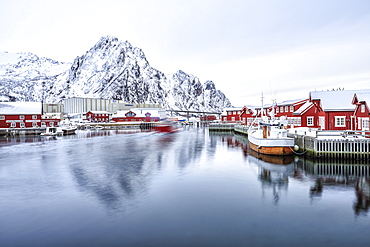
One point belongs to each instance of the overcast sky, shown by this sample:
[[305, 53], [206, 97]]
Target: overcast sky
[[283, 48]]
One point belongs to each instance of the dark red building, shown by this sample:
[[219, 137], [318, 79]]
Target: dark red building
[[132, 116], [20, 114], [361, 100], [98, 116]]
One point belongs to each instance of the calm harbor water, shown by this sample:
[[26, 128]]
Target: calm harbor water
[[191, 188]]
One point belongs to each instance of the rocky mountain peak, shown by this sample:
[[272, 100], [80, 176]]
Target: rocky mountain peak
[[111, 69]]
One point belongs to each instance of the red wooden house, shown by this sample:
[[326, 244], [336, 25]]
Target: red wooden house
[[361, 100], [287, 109], [307, 115], [24, 115], [138, 115], [335, 109], [247, 115], [208, 118], [231, 115], [98, 116]]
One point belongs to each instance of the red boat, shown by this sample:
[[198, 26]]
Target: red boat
[[166, 128]]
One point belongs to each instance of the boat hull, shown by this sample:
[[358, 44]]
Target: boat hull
[[272, 150], [165, 128], [271, 146], [69, 131]]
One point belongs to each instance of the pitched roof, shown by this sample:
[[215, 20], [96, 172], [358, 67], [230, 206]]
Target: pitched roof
[[363, 97], [336, 100], [99, 112], [9, 108], [307, 105], [290, 102]]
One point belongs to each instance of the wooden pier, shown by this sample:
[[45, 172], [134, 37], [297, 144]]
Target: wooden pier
[[325, 145], [346, 149], [222, 127], [8, 132]]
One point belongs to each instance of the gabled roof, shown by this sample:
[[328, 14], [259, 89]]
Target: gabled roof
[[362, 97], [335, 100], [305, 107], [291, 102], [140, 112], [225, 110], [27, 108], [100, 112]]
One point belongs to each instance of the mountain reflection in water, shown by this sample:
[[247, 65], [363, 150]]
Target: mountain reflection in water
[[190, 188]]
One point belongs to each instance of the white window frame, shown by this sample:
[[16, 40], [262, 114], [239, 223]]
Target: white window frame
[[21, 125], [13, 124], [51, 124], [365, 123], [2, 117], [286, 108], [340, 121], [299, 121], [34, 116], [310, 121], [362, 108], [291, 108], [277, 109], [21, 116], [281, 108], [34, 124]]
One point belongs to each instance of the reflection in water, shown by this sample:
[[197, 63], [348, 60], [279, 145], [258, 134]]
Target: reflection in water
[[190, 188], [125, 173], [134, 159], [274, 173], [362, 203]]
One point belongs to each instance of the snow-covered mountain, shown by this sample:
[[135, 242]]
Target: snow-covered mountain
[[111, 69]]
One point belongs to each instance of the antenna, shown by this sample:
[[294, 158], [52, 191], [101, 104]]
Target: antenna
[[262, 105]]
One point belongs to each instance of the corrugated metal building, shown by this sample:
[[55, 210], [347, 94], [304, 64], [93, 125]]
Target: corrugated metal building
[[80, 106]]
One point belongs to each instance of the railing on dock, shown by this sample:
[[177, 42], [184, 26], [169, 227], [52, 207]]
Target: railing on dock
[[221, 126], [21, 131], [350, 146], [353, 148], [241, 129]]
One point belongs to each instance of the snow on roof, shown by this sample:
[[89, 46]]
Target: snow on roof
[[303, 108], [363, 97], [233, 109], [20, 108], [224, 112], [99, 112], [290, 102], [140, 112], [336, 100]]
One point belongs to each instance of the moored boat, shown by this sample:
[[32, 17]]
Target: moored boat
[[270, 138], [69, 130], [52, 131]]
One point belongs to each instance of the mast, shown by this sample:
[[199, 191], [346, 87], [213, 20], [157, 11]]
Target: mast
[[262, 106]]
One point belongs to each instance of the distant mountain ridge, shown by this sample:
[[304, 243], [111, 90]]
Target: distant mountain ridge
[[111, 69]]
